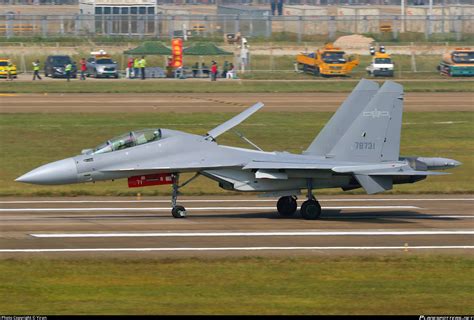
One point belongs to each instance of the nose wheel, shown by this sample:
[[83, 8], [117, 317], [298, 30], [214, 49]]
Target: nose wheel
[[178, 211]]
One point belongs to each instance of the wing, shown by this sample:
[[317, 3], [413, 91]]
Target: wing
[[229, 124]]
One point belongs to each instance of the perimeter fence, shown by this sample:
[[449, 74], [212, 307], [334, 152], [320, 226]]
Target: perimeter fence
[[290, 28]]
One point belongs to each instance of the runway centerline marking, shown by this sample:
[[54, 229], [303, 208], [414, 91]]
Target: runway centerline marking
[[193, 208], [255, 234], [232, 249], [227, 200]]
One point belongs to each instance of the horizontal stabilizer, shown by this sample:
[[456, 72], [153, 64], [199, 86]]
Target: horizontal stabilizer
[[374, 184], [229, 124]]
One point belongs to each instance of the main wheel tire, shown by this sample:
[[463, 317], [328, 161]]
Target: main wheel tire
[[178, 212], [310, 210], [286, 206]]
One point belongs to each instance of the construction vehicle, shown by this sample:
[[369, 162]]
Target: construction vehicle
[[381, 65], [328, 61], [459, 62]]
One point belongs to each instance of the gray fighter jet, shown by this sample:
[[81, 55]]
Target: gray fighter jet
[[358, 147]]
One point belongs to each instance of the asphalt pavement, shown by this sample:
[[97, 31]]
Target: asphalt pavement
[[234, 225]]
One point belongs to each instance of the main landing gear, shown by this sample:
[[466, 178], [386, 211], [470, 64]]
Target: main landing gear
[[310, 209], [287, 206], [178, 211]]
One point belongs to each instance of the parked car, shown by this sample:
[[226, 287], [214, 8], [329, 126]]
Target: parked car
[[54, 66], [102, 66], [3, 68]]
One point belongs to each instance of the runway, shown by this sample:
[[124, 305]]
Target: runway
[[234, 225]]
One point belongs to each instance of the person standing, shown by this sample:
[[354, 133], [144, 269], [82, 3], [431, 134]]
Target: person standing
[[195, 70], [225, 67], [36, 68], [129, 68], [83, 68], [9, 71], [142, 67], [230, 72], [67, 70], [214, 71], [136, 67]]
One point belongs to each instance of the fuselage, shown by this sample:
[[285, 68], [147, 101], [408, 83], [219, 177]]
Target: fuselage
[[178, 152]]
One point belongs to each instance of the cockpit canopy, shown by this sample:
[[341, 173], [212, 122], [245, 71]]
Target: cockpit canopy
[[127, 140]]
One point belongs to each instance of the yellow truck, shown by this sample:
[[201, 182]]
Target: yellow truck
[[459, 62], [5, 63], [328, 61]]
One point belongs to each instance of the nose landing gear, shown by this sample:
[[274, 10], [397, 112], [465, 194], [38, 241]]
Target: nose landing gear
[[178, 211]]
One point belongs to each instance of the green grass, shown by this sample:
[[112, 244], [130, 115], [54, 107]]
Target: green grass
[[221, 86], [29, 140], [397, 284]]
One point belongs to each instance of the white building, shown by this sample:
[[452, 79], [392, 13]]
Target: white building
[[119, 17], [117, 7]]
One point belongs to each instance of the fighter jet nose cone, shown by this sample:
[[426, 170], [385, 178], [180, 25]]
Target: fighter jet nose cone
[[58, 172], [455, 163]]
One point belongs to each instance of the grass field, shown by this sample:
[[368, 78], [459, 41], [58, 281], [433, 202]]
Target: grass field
[[221, 86], [29, 140], [396, 284]]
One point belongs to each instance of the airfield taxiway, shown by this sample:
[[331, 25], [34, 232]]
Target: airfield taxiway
[[234, 225]]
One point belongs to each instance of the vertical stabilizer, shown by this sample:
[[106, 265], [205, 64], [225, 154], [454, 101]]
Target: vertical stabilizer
[[374, 135], [342, 119]]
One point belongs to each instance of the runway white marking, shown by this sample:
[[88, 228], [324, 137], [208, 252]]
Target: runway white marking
[[342, 217], [230, 200], [231, 249], [192, 209], [255, 234]]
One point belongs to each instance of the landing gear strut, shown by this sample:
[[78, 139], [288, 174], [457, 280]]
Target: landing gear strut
[[310, 209], [286, 206], [178, 211]]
